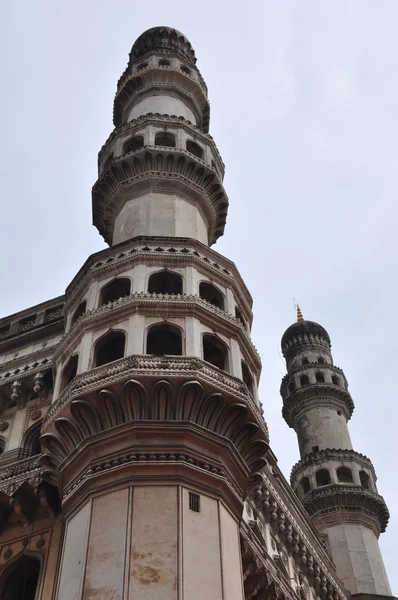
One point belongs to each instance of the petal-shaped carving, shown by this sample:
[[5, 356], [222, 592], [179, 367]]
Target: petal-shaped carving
[[189, 401], [230, 418], [86, 416], [211, 407], [110, 413], [163, 404], [254, 451], [68, 433], [57, 447], [242, 435], [134, 401]]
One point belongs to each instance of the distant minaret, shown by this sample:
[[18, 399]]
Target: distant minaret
[[336, 484]]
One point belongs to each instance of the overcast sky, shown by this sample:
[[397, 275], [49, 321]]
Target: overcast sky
[[304, 110]]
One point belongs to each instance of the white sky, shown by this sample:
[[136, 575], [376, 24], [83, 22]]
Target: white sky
[[304, 110]]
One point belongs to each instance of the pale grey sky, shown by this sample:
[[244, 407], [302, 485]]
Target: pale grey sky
[[304, 110]]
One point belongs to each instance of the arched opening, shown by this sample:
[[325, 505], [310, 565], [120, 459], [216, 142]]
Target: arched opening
[[31, 441], [164, 138], [133, 144], [19, 581], [194, 148], [209, 292], [321, 361], [185, 70], [335, 380], [291, 388], [109, 347], [247, 377], [304, 380], [164, 63], [81, 309], [344, 475], [165, 282], [305, 362], [164, 339], [365, 479], [108, 161], [322, 477], [320, 378], [238, 315], [69, 371], [215, 352], [118, 288], [305, 485], [2, 445]]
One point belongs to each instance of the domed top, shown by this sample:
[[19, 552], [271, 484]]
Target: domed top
[[303, 328], [163, 38]]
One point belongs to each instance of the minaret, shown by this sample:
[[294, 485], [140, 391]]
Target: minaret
[[336, 484], [155, 427]]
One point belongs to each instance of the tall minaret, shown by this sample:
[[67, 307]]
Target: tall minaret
[[156, 427], [336, 484]]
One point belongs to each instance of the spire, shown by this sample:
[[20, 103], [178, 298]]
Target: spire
[[299, 314]]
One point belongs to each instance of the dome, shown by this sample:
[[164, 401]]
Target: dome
[[304, 328], [158, 38]]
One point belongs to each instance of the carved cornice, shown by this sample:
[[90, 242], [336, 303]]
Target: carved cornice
[[311, 367], [27, 369], [331, 454], [12, 477], [317, 394], [158, 163], [353, 499]]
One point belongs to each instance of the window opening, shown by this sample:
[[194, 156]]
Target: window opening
[[118, 288], [364, 478], [344, 475], [133, 144], [305, 484], [247, 376], [322, 477], [109, 348], [69, 371], [215, 352], [194, 148], [194, 502], [164, 339], [165, 282], [163, 138], [81, 309], [209, 292]]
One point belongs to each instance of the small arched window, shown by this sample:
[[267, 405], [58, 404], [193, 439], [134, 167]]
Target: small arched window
[[322, 477], [247, 376], [20, 580], [164, 63], [304, 380], [209, 292], [344, 475], [305, 362], [31, 441], [215, 352], [109, 347], [118, 288], [164, 138], [305, 485], [133, 144], [320, 378], [365, 479], [69, 371], [238, 315], [291, 388], [81, 309], [321, 361], [165, 282], [185, 70], [164, 339], [335, 380], [194, 148]]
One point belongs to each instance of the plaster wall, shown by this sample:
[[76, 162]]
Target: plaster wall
[[358, 559], [163, 104], [159, 214], [322, 427]]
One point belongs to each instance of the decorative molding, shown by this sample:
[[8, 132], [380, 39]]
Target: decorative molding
[[334, 454]]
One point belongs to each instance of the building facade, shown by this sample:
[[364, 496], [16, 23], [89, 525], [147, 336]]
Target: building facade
[[135, 460]]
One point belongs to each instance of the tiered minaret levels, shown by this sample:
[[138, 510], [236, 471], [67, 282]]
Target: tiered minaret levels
[[155, 427], [336, 484]]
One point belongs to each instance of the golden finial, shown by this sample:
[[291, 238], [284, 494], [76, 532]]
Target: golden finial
[[299, 314]]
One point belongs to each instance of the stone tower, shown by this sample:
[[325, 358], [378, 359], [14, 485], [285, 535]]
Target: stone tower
[[336, 484], [155, 426]]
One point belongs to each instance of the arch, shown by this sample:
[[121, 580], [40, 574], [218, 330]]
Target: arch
[[247, 376], [118, 288], [69, 371], [215, 351], [320, 378], [305, 361], [321, 360], [109, 347], [185, 70], [164, 63], [164, 339], [211, 294], [165, 138], [365, 479], [291, 388], [305, 485], [31, 440], [335, 380], [304, 380], [194, 148], [108, 161], [2, 444], [133, 144], [165, 282], [344, 475], [20, 579], [81, 309], [322, 477], [238, 315]]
